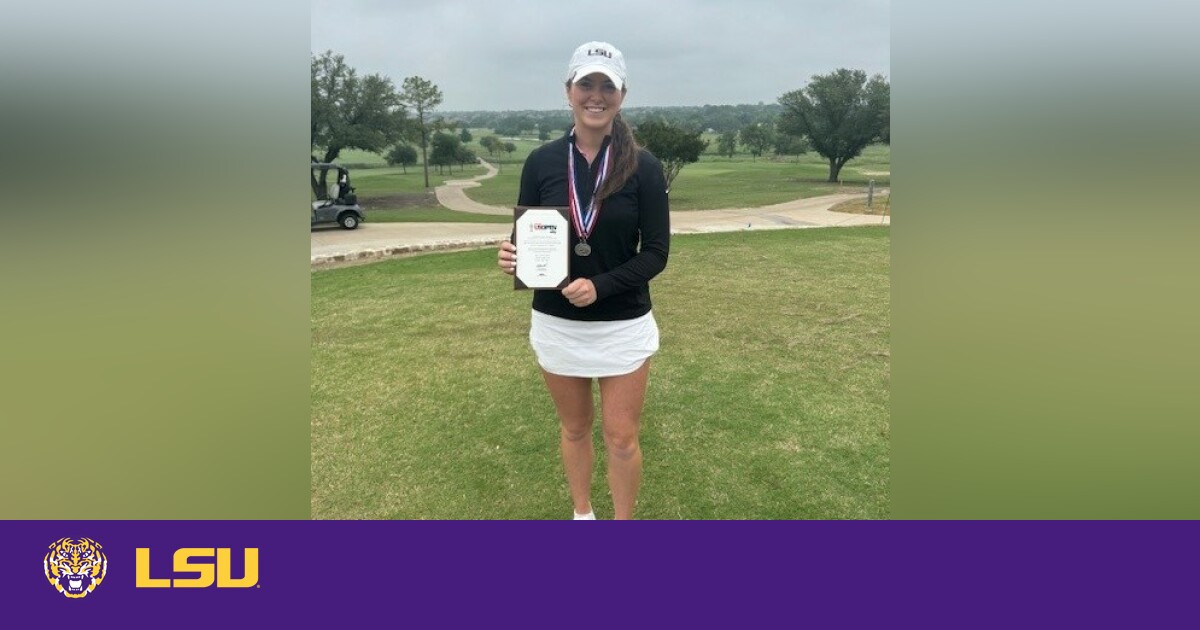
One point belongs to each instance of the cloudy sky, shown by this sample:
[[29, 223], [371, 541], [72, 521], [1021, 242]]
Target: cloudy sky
[[512, 54]]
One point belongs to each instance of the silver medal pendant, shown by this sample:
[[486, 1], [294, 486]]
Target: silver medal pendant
[[583, 249]]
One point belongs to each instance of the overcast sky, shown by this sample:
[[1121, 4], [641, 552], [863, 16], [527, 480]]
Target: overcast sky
[[512, 54]]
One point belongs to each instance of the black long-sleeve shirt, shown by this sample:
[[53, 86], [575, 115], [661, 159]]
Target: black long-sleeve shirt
[[620, 271]]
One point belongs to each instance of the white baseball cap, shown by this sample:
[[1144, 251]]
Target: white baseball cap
[[597, 57]]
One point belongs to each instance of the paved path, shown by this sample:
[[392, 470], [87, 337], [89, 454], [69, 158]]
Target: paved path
[[452, 195], [331, 246], [800, 213], [334, 246]]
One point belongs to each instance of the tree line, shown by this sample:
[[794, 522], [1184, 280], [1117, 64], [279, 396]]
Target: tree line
[[836, 115], [448, 149], [717, 118]]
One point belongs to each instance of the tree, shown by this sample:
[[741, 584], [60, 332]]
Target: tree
[[445, 150], [464, 135], [758, 138], [840, 113], [422, 97], [790, 145], [402, 154], [551, 121], [514, 125], [464, 156], [543, 134], [727, 143], [674, 146], [508, 148], [350, 112], [882, 96], [491, 144]]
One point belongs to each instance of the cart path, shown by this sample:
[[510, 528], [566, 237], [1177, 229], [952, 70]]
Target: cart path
[[453, 196], [811, 212]]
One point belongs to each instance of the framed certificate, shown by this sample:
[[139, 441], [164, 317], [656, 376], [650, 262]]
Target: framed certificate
[[543, 238]]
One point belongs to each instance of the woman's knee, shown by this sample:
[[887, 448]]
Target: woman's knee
[[576, 429], [622, 442]]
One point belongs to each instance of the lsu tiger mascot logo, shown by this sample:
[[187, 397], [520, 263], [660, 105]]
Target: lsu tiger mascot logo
[[75, 566]]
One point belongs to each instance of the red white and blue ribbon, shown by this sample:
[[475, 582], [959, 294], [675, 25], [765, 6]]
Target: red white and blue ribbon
[[584, 219]]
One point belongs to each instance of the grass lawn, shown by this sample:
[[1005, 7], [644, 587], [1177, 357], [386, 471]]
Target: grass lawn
[[391, 195], [880, 205], [769, 398], [396, 194], [386, 181], [739, 182], [354, 158], [712, 183], [430, 214]]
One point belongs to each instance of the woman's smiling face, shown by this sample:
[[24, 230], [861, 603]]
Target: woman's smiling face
[[595, 101]]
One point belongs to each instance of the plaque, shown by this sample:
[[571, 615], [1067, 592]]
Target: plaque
[[543, 240]]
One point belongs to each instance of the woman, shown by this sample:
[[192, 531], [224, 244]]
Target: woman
[[600, 326]]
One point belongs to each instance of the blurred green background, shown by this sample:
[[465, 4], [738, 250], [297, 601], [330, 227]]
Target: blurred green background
[[154, 313], [1045, 263]]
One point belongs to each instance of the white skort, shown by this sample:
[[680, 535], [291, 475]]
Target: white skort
[[592, 349]]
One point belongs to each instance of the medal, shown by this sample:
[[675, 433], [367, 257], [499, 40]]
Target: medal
[[584, 219]]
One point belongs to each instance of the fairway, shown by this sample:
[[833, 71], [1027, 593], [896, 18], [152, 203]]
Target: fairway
[[392, 194], [768, 400], [717, 182]]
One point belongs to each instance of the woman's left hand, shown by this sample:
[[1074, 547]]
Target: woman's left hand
[[580, 292]]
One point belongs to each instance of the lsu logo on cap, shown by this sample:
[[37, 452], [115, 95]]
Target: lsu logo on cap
[[75, 566]]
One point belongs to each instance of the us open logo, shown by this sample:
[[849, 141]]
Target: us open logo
[[75, 566]]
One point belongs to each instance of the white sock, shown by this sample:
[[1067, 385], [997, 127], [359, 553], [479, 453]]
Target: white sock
[[590, 516]]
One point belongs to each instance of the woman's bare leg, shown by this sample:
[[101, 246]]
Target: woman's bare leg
[[621, 398], [573, 399]]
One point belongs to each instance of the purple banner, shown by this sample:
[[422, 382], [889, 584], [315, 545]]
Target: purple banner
[[735, 574]]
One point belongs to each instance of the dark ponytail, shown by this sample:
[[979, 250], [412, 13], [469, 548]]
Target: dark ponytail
[[623, 158]]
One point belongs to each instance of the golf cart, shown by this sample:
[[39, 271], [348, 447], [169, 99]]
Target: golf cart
[[335, 201]]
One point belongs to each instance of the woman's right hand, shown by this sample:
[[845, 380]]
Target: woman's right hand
[[506, 257]]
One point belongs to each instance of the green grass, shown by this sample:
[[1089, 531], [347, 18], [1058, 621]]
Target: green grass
[[769, 398], [355, 158], [500, 190], [739, 182], [378, 182], [880, 205], [390, 195], [712, 183], [431, 214], [382, 186]]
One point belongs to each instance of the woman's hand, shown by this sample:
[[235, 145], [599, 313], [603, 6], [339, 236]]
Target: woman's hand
[[581, 292], [506, 257]]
